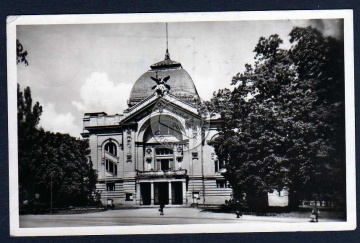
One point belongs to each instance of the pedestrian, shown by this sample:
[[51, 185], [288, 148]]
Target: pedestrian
[[237, 211], [315, 213], [161, 209]]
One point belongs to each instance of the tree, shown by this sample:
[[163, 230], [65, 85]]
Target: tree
[[285, 121], [320, 61], [21, 53], [52, 162], [28, 119]]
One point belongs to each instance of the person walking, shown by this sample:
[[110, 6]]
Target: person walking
[[315, 213], [237, 210], [161, 209]]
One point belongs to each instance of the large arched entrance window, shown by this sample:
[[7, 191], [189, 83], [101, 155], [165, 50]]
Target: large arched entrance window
[[161, 141], [163, 138], [163, 128]]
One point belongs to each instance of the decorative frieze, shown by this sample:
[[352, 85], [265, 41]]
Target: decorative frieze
[[129, 146]]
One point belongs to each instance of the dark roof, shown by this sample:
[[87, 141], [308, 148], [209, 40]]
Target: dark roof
[[95, 113], [165, 64]]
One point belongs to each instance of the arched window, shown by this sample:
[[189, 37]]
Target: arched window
[[163, 127], [111, 148], [110, 161]]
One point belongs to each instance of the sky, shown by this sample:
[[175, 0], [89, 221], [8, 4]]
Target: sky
[[76, 68]]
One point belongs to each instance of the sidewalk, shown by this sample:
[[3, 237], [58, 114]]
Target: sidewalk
[[150, 216]]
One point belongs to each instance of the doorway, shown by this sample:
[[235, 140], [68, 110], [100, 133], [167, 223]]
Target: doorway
[[176, 189], [145, 190], [161, 191]]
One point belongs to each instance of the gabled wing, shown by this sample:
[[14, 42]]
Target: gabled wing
[[155, 79], [166, 78]]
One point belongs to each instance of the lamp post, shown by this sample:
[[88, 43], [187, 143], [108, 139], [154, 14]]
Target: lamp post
[[192, 168], [51, 176]]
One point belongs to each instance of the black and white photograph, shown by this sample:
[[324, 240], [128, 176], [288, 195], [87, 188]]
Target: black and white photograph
[[181, 123]]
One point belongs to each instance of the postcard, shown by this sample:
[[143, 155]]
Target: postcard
[[181, 123]]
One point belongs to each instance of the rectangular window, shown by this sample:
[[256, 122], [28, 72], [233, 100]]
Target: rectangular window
[[222, 165], [129, 197], [163, 151], [216, 165], [111, 167], [171, 164], [148, 164], [158, 165], [220, 184], [164, 164], [110, 186], [195, 155]]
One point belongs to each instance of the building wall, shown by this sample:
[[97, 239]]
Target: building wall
[[117, 196], [214, 194], [278, 199], [203, 181]]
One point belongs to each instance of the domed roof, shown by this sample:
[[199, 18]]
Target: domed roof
[[180, 82]]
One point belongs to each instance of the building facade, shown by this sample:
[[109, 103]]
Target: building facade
[[158, 150]]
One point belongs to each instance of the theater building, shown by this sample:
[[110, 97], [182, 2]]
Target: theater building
[[157, 150]]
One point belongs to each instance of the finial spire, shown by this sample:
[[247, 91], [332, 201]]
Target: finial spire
[[167, 55]]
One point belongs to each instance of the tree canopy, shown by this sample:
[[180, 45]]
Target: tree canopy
[[285, 121], [51, 161], [21, 53]]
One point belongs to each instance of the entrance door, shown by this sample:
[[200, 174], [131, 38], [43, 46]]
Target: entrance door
[[161, 193], [145, 190], [176, 193]]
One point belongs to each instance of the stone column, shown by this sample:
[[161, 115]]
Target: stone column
[[184, 192], [100, 164], [152, 193], [141, 162], [137, 196], [170, 193]]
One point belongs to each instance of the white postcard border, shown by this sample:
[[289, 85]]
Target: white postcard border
[[347, 15]]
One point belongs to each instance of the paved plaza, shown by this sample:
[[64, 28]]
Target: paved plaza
[[149, 216]]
